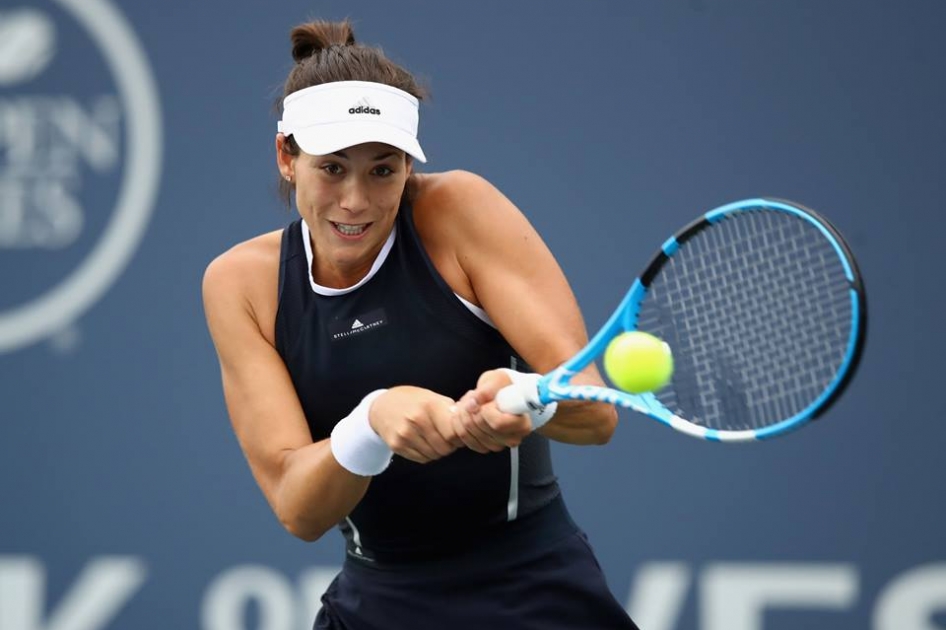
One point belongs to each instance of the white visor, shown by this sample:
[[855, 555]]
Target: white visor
[[333, 116]]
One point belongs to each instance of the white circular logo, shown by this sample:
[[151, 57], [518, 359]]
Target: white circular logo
[[27, 43], [27, 47]]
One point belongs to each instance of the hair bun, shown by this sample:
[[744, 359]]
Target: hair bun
[[314, 37]]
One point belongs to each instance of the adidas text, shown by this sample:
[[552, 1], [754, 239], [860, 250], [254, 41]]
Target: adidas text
[[361, 109]]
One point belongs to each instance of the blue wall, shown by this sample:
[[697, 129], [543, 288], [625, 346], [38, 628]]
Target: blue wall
[[136, 144]]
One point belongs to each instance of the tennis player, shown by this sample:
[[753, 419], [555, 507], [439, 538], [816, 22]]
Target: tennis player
[[361, 349]]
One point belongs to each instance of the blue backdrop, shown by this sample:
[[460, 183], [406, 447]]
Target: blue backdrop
[[136, 144]]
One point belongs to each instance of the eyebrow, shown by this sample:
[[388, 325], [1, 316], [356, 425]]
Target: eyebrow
[[377, 158]]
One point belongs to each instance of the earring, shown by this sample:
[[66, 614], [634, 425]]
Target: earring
[[289, 178]]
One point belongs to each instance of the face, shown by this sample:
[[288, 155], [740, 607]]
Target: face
[[349, 200]]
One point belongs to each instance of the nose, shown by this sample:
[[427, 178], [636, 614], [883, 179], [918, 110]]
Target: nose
[[354, 196]]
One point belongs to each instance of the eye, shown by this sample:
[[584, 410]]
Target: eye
[[383, 170], [332, 168]]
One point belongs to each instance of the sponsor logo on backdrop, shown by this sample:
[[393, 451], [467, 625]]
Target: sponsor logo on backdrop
[[727, 595], [59, 144]]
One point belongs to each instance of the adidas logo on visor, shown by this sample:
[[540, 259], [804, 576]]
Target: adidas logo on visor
[[364, 107]]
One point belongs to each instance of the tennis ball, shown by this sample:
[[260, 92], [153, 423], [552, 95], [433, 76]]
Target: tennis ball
[[638, 362]]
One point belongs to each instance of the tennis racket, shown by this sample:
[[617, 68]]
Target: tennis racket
[[763, 306]]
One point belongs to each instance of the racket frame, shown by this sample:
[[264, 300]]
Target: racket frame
[[556, 385]]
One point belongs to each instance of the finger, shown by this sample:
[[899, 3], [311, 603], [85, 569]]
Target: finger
[[489, 384], [460, 419], [436, 444], [492, 442], [441, 413], [469, 402], [477, 426], [509, 428], [469, 440], [410, 443], [457, 420], [428, 438], [412, 454]]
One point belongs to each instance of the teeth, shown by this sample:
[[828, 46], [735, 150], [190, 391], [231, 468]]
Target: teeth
[[350, 230]]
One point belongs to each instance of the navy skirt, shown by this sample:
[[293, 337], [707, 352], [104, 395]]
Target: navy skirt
[[543, 584]]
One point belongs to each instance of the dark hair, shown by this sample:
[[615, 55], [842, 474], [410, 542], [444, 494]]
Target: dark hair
[[325, 52]]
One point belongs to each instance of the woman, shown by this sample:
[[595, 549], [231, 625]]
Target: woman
[[383, 322]]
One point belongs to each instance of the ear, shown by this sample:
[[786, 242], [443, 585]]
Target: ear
[[285, 161]]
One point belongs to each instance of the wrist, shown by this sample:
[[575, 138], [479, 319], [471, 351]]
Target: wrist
[[355, 444]]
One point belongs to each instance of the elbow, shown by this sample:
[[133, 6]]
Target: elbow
[[302, 529], [606, 425], [305, 535], [298, 523]]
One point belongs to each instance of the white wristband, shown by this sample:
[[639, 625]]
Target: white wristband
[[538, 413], [356, 446]]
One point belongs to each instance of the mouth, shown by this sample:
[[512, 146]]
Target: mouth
[[350, 230]]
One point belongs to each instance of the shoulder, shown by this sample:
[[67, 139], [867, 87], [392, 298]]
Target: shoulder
[[445, 217], [452, 190], [245, 273], [454, 202], [465, 206], [473, 233], [247, 258]]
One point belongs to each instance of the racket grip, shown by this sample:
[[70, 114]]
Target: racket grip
[[522, 396], [510, 399]]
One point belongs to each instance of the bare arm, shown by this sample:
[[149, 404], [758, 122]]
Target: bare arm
[[305, 486], [515, 278]]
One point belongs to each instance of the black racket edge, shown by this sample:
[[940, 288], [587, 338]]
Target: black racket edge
[[701, 223]]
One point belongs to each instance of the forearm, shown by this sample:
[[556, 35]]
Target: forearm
[[579, 422], [583, 422], [315, 492]]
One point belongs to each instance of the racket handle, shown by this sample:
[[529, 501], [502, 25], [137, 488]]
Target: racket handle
[[522, 396], [510, 400]]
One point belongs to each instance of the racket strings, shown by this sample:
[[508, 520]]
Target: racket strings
[[757, 309]]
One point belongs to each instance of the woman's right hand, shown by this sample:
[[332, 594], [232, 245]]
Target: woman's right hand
[[416, 423]]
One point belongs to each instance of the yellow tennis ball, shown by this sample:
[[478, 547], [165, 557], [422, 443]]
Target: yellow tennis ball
[[638, 362]]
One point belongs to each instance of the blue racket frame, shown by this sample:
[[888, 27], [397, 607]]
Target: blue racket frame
[[556, 385]]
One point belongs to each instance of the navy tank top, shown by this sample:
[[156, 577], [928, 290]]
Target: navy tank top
[[403, 325]]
